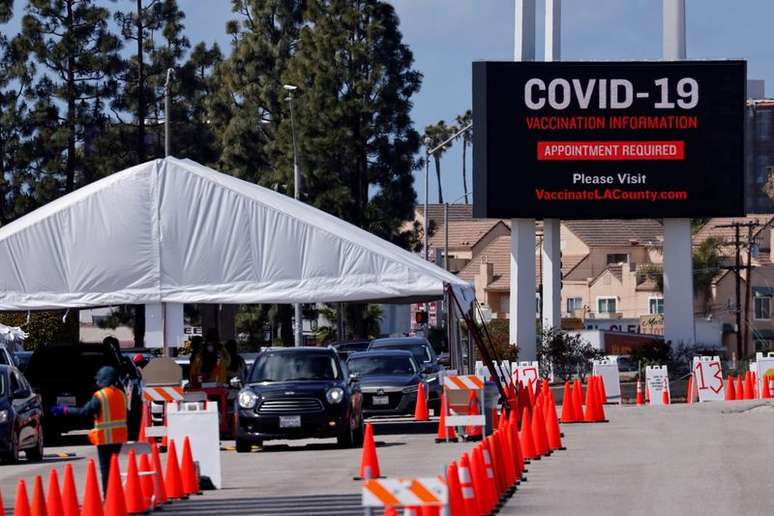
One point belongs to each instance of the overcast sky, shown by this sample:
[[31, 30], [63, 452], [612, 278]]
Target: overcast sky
[[447, 35]]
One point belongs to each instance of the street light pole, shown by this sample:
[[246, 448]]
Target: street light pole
[[298, 336], [167, 114]]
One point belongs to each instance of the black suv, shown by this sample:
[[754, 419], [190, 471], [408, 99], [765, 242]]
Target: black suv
[[299, 393], [64, 375]]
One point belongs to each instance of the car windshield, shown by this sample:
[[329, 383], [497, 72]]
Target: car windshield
[[382, 365], [287, 367], [420, 352]]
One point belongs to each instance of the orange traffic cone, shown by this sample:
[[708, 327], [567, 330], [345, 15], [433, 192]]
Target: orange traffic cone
[[38, 506], [518, 454], [141, 437], [480, 482], [588, 415], [730, 391], [159, 491], [665, 393], [469, 494], [456, 502], [739, 388], [54, 505], [602, 390], [69, 493], [568, 414], [523, 396], [754, 378], [748, 387], [552, 427], [146, 483], [92, 500], [490, 460], [445, 434], [689, 395], [491, 479], [369, 462], [22, 507], [115, 504], [640, 402], [473, 432], [390, 510], [577, 390], [420, 411], [173, 483], [766, 388], [188, 470], [133, 495], [506, 448], [527, 440], [539, 432]]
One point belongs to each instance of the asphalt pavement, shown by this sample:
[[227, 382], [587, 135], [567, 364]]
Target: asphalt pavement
[[708, 459]]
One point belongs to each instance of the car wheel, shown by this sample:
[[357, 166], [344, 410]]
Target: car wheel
[[36, 453], [346, 439], [12, 455], [244, 446]]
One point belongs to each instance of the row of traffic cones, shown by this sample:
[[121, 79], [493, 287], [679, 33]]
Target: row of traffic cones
[[145, 489], [747, 388], [572, 405]]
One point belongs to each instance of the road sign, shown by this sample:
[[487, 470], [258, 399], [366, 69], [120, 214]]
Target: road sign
[[708, 378], [657, 380], [607, 368], [527, 373], [580, 140]]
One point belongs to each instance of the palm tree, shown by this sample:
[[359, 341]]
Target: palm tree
[[464, 120], [434, 136]]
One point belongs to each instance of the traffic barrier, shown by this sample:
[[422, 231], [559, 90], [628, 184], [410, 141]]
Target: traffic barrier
[[38, 505], [420, 410], [405, 492], [473, 420], [165, 393], [147, 481], [369, 461], [22, 505], [188, 470], [527, 441], [173, 483], [445, 434], [470, 495], [115, 505], [54, 505], [730, 390], [638, 399], [133, 495], [69, 493], [92, 499], [159, 490]]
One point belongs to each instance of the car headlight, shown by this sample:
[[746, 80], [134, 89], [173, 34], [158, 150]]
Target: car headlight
[[247, 399], [3, 416], [411, 388], [334, 395]]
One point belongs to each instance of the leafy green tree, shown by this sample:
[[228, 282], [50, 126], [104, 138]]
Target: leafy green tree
[[565, 354], [434, 136], [6, 10], [707, 263], [466, 137], [79, 59]]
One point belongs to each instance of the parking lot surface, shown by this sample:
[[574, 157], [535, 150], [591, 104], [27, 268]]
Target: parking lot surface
[[682, 459]]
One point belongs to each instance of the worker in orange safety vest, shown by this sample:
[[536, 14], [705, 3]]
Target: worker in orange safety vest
[[108, 406]]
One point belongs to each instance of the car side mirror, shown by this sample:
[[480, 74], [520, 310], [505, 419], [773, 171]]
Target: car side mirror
[[354, 377], [235, 382], [20, 394]]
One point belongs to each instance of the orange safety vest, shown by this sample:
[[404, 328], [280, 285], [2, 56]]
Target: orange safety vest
[[110, 422]]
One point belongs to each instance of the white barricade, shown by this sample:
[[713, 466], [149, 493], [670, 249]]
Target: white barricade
[[708, 378], [764, 366], [405, 492], [457, 389], [198, 421], [607, 368], [657, 379], [527, 373]]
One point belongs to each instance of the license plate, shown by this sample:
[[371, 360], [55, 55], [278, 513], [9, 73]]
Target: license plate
[[66, 400], [290, 421], [381, 400]]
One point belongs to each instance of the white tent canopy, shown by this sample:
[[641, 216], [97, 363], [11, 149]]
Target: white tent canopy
[[175, 231]]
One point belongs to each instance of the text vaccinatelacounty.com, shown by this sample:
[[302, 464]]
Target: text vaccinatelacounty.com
[[611, 194]]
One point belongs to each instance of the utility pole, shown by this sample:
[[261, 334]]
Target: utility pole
[[742, 332]]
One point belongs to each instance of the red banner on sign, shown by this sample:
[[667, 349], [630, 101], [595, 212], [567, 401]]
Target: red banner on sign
[[610, 150]]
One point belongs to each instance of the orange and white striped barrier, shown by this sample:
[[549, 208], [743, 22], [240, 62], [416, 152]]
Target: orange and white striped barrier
[[458, 389], [164, 393], [405, 492]]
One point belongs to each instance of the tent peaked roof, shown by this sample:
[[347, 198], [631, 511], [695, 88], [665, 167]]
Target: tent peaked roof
[[175, 231]]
